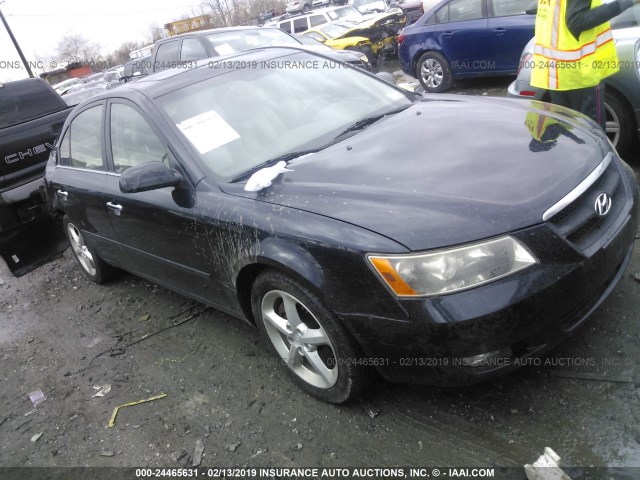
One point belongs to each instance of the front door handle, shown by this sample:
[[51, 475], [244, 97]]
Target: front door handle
[[500, 31], [117, 209], [62, 194]]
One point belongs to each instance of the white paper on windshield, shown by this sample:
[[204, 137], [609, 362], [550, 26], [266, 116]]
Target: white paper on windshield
[[224, 49], [207, 131]]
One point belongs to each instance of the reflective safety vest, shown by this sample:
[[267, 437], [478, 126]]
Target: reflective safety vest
[[560, 62]]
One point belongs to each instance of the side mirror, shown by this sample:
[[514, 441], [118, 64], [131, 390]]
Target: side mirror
[[148, 176]]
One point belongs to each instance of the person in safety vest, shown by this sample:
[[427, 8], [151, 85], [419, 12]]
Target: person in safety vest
[[574, 50]]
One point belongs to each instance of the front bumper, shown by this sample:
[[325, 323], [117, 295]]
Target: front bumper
[[512, 319]]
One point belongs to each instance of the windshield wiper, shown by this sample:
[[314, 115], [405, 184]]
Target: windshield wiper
[[366, 121], [282, 158]]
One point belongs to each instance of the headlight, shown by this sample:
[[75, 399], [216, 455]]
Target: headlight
[[452, 270]]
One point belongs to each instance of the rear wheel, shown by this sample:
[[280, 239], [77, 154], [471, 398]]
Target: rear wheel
[[434, 72], [306, 8], [92, 265], [317, 352]]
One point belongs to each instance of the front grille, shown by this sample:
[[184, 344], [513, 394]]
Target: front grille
[[578, 222]]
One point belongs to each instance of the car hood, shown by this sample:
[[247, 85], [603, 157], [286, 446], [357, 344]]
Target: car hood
[[445, 171]]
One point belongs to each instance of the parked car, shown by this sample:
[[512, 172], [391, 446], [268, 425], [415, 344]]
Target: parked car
[[31, 116], [64, 86], [337, 35], [74, 98], [136, 68], [413, 9], [300, 23], [370, 6], [295, 6], [622, 90], [375, 36], [464, 39], [223, 41], [273, 192], [355, 58]]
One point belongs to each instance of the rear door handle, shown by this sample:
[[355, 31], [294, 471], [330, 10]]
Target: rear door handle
[[117, 209], [448, 34], [500, 31], [62, 194]]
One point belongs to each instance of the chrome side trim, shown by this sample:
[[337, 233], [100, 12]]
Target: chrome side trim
[[580, 189]]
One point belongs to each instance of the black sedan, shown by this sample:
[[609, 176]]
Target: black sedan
[[361, 228]]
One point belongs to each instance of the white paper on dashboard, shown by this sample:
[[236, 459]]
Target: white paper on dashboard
[[208, 131]]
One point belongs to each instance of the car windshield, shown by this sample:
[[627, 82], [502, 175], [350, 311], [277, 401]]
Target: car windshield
[[348, 11], [243, 118], [226, 43], [334, 30]]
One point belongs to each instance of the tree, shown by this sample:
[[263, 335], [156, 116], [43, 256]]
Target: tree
[[154, 34], [121, 55], [75, 48]]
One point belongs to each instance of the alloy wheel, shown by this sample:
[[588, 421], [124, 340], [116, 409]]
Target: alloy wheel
[[80, 249], [299, 339], [431, 72]]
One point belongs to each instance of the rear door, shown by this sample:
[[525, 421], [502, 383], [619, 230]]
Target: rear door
[[463, 37], [77, 180], [510, 30]]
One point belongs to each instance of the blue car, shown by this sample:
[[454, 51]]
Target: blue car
[[466, 38]]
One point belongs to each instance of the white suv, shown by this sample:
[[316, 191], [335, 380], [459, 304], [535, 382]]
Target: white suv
[[301, 23]]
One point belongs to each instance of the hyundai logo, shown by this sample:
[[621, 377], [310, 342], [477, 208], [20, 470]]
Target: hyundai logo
[[603, 204]]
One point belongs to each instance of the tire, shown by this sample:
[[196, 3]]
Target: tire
[[434, 72], [92, 265], [287, 313], [306, 8], [621, 126]]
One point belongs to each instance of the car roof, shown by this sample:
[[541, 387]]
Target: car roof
[[215, 30], [166, 81]]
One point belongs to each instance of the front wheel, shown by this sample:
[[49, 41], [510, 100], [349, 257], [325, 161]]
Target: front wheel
[[434, 72], [306, 8], [92, 265], [317, 352]]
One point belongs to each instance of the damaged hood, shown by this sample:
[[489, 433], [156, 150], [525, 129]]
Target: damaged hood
[[447, 170]]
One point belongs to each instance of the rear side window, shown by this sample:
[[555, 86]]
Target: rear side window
[[317, 20], [81, 145], [300, 25], [27, 100]]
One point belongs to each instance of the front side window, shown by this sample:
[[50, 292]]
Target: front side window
[[167, 55], [85, 140], [133, 142], [192, 49], [505, 8]]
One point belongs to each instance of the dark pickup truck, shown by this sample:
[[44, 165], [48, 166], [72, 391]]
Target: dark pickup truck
[[31, 116]]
